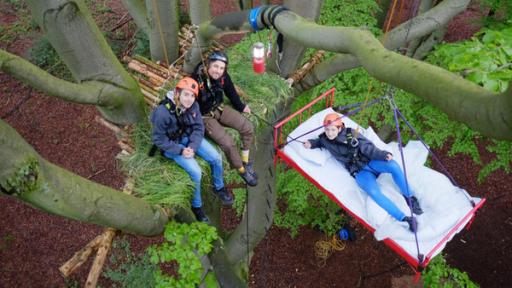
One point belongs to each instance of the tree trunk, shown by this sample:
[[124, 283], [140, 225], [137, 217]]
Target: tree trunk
[[414, 44], [230, 259], [30, 178], [139, 13], [381, 16], [292, 54], [80, 44], [199, 13], [164, 27]]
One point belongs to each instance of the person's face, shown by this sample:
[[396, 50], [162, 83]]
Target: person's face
[[187, 98], [216, 69], [332, 131]]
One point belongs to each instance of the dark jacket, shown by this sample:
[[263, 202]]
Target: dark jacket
[[212, 95], [169, 128], [353, 158]]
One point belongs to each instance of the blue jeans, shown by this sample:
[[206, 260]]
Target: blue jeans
[[210, 155], [367, 180]]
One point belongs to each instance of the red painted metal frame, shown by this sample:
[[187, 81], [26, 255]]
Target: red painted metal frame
[[280, 154]]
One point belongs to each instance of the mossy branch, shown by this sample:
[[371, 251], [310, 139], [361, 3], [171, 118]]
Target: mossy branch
[[23, 70], [30, 178]]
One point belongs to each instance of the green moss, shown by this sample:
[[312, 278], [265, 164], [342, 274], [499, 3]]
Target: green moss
[[23, 180]]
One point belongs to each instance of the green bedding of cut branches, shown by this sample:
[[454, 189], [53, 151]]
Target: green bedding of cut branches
[[161, 181], [157, 179]]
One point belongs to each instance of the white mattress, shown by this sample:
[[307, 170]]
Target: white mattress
[[444, 205]]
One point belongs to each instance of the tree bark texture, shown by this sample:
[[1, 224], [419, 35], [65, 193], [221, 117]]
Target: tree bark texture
[[293, 52], [199, 13], [82, 47], [164, 26], [139, 13], [87, 93], [24, 174]]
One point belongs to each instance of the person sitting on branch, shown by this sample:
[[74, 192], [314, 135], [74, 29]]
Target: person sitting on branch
[[214, 83], [364, 161], [178, 131]]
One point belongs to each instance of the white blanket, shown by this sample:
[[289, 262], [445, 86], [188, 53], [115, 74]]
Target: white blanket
[[444, 205]]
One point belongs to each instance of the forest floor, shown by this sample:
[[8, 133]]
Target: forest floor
[[34, 244]]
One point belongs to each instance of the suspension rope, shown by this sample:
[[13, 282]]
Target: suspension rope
[[438, 161], [399, 136]]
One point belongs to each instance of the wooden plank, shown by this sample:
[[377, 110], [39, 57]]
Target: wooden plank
[[101, 256], [80, 257]]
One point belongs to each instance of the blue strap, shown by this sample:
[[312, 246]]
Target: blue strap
[[253, 18]]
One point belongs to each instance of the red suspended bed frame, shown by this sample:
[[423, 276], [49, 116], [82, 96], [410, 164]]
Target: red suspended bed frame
[[327, 100]]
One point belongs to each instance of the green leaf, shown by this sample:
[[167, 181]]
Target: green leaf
[[476, 77], [492, 85]]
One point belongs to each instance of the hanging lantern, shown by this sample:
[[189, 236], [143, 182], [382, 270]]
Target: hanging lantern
[[258, 58]]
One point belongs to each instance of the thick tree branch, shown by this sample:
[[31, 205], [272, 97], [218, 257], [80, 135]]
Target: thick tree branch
[[21, 69], [420, 26], [81, 46], [292, 54], [425, 23], [27, 176], [462, 100], [428, 44]]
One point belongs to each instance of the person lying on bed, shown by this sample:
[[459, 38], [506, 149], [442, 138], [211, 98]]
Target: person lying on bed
[[364, 161]]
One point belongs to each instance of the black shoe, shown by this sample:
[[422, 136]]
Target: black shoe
[[249, 178], [248, 167], [416, 209], [413, 224], [200, 216], [223, 195]]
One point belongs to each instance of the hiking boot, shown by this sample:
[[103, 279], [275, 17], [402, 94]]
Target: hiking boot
[[249, 168], [249, 178], [413, 224], [416, 209], [223, 195], [200, 216]]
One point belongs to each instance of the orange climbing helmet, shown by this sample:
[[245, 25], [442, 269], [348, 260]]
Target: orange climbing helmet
[[333, 119], [188, 83]]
